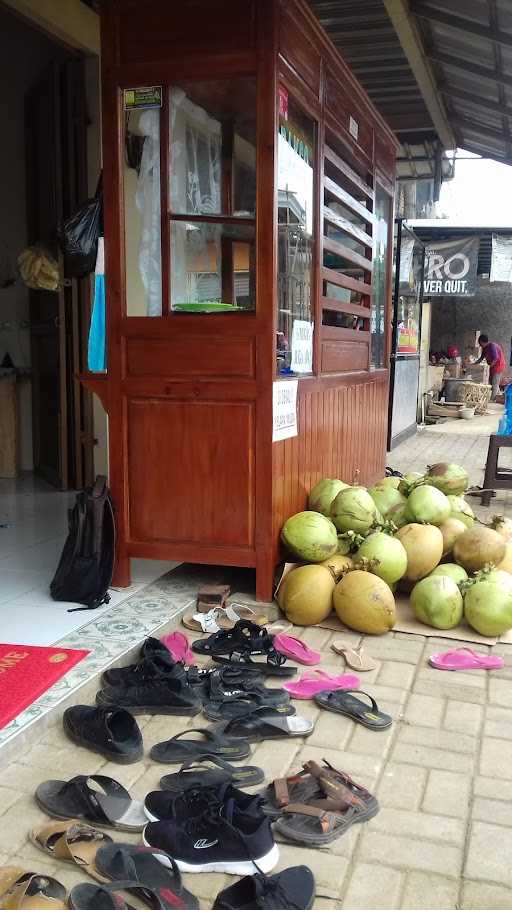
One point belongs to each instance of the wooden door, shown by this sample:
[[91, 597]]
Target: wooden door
[[56, 185]]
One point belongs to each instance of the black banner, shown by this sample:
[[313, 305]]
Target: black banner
[[451, 268]]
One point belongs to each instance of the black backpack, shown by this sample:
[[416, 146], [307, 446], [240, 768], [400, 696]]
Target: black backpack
[[86, 566]]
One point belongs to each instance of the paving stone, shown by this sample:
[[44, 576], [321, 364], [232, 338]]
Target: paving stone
[[68, 762], [419, 825], [409, 854], [478, 896], [496, 758], [462, 717], [438, 739], [499, 812], [368, 742], [365, 769], [159, 729], [439, 689], [432, 758], [429, 892], [498, 722], [346, 845], [447, 793], [402, 786], [277, 758], [317, 638], [493, 789], [329, 870], [396, 674], [367, 886], [472, 681], [332, 731], [500, 692], [490, 849], [125, 774], [425, 710], [390, 648], [8, 797], [17, 821]]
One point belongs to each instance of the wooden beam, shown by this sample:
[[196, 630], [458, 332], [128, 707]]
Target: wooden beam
[[339, 249], [483, 72], [346, 199], [72, 22], [345, 281], [433, 14], [453, 92], [347, 226]]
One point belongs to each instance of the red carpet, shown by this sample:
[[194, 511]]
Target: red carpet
[[26, 672]]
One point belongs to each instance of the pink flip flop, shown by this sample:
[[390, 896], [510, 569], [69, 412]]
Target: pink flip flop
[[296, 649], [465, 659], [314, 681], [179, 647]]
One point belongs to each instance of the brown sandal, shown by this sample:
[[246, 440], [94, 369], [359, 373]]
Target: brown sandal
[[20, 890], [73, 842]]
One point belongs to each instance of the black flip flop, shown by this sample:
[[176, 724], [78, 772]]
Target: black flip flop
[[293, 888], [131, 862], [177, 749], [347, 704], [106, 897], [265, 723], [196, 773], [238, 707], [246, 636], [106, 804], [273, 666]]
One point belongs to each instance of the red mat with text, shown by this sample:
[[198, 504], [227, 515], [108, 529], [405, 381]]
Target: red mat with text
[[26, 672]]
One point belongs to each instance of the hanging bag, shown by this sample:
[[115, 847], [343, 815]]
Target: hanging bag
[[78, 236]]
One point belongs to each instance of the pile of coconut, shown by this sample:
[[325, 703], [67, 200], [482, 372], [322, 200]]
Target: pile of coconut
[[415, 534]]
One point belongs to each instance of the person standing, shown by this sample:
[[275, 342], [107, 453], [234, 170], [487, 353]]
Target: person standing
[[492, 352]]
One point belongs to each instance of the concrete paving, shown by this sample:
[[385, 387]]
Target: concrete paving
[[443, 772]]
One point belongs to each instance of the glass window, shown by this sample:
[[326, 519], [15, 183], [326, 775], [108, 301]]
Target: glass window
[[212, 196], [383, 204], [407, 330], [141, 181], [296, 152]]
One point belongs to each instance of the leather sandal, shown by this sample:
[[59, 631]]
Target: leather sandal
[[30, 891], [72, 842]]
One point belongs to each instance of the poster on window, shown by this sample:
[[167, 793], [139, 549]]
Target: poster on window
[[501, 262], [451, 268], [302, 347], [284, 409]]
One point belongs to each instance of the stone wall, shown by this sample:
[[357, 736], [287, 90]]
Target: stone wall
[[490, 311]]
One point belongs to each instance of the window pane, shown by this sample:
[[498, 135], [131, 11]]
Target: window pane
[[213, 148], [141, 179], [296, 149], [379, 282], [212, 267]]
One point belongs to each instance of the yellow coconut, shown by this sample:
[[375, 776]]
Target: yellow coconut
[[478, 547], [424, 548], [506, 563], [338, 563], [365, 602], [451, 529], [305, 595]]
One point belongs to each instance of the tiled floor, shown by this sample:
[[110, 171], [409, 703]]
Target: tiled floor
[[443, 772]]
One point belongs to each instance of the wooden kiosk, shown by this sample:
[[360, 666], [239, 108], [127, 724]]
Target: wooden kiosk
[[248, 226]]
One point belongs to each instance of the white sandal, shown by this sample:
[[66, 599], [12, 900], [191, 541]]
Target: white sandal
[[224, 618]]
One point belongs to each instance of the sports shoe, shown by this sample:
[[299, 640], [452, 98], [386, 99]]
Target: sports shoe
[[168, 693], [167, 805], [291, 889], [147, 668], [215, 837]]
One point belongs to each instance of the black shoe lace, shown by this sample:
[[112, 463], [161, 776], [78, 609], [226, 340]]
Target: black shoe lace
[[266, 888]]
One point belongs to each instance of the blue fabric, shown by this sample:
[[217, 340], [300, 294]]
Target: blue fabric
[[505, 425], [97, 354]]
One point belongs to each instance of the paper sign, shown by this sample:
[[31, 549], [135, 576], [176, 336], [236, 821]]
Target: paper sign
[[353, 127], [284, 407], [302, 347], [139, 99]]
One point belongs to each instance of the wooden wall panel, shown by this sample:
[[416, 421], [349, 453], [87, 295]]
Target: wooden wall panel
[[344, 356], [298, 50], [154, 31], [342, 431], [191, 473], [192, 355]]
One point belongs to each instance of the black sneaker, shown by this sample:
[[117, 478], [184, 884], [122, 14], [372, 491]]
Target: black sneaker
[[167, 805], [153, 646], [162, 694], [147, 668], [217, 837], [112, 732], [291, 889]]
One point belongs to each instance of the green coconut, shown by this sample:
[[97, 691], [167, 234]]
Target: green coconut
[[408, 480], [437, 602], [386, 499], [429, 505], [364, 602], [450, 570], [387, 554], [310, 536], [448, 477], [451, 529], [461, 510], [488, 607], [305, 595], [389, 482], [354, 510], [323, 494]]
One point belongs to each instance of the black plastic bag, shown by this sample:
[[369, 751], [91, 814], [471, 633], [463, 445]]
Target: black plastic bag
[[78, 237]]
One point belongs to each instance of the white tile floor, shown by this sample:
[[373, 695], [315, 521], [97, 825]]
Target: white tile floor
[[33, 527]]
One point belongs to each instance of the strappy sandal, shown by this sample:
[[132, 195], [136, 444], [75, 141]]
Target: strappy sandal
[[212, 741], [210, 771], [94, 798], [271, 666], [355, 658], [131, 862], [222, 618], [245, 637], [231, 693], [318, 805], [347, 704], [31, 891], [72, 842], [107, 897], [266, 723]]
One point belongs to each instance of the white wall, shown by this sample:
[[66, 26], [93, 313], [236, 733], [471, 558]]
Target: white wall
[[24, 53]]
